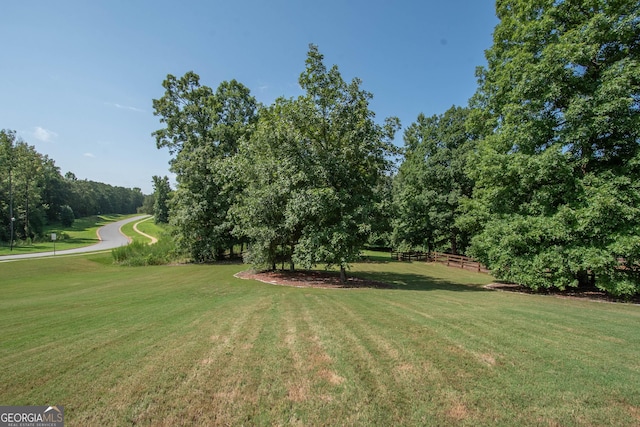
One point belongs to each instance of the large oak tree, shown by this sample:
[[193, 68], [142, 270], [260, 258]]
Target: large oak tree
[[317, 163], [558, 178]]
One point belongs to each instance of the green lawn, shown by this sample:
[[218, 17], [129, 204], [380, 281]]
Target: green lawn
[[83, 232], [192, 345], [147, 226], [151, 228]]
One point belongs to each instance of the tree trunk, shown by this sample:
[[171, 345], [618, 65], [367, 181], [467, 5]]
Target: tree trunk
[[292, 266], [11, 220], [26, 203], [454, 243], [585, 278], [343, 274]]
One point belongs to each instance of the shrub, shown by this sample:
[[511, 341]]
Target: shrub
[[140, 254], [67, 216]]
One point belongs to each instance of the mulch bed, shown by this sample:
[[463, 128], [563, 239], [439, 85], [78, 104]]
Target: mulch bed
[[311, 279], [331, 280], [593, 294]]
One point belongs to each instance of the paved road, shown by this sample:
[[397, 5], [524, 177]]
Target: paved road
[[110, 237]]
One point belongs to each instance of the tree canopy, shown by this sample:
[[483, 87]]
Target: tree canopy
[[161, 193], [538, 177], [432, 182], [557, 178], [203, 131], [296, 180]]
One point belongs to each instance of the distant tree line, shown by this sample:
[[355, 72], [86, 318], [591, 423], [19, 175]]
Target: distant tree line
[[33, 193], [538, 177]]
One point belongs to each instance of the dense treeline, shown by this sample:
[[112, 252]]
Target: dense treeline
[[557, 179], [34, 193], [91, 198], [538, 177], [544, 188]]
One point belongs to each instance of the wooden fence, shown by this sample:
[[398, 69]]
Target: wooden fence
[[451, 260], [409, 256]]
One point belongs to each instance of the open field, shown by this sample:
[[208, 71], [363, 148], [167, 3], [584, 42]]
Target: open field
[[82, 233], [192, 345]]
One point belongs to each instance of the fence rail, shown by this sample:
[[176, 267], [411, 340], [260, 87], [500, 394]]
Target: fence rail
[[451, 260], [457, 261], [409, 256], [467, 263]]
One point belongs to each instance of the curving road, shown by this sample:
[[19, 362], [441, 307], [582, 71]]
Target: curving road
[[109, 235]]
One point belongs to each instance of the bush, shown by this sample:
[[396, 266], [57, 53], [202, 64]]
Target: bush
[[139, 254], [67, 216]]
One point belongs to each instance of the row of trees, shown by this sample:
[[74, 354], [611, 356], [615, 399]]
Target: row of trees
[[296, 180], [537, 177], [34, 193]]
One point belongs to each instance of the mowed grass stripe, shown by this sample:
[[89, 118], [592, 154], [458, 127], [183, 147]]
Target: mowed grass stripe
[[366, 363], [420, 351], [195, 385], [183, 345]]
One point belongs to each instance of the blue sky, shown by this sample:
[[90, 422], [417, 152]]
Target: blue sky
[[77, 78]]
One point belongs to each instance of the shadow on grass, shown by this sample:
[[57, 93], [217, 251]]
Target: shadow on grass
[[382, 258], [376, 259], [83, 224], [417, 282]]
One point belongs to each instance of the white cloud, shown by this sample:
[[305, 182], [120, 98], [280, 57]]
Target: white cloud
[[44, 135], [89, 155], [125, 107]]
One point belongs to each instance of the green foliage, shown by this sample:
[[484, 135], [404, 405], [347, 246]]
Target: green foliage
[[161, 193], [138, 254], [348, 158], [313, 169], [432, 183], [382, 215], [557, 180], [88, 198], [33, 191], [20, 173], [203, 130], [272, 173], [66, 216], [147, 205]]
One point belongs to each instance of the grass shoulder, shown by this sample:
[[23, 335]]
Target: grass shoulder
[[143, 251], [136, 231]]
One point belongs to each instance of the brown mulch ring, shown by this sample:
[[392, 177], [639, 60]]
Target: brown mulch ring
[[311, 279], [592, 294], [331, 280]]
